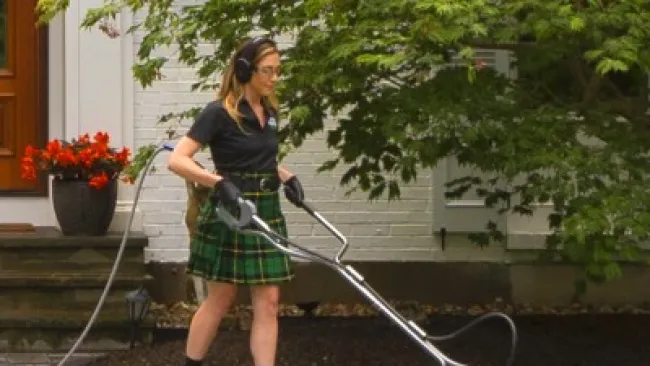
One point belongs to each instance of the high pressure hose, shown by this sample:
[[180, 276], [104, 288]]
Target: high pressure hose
[[118, 259], [513, 331]]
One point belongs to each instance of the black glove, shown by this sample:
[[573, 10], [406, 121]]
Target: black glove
[[226, 193], [293, 191]]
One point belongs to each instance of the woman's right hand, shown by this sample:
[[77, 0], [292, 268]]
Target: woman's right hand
[[226, 192]]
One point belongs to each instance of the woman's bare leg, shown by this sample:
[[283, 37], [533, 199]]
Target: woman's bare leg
[[264, 331], [206, 320]]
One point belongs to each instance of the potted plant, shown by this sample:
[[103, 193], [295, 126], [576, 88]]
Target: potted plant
[[85, 175]]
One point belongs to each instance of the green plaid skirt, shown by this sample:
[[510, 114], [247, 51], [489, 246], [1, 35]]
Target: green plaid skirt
[[220, 254]]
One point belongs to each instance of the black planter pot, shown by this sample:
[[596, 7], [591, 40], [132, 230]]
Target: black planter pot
[[82, 210]]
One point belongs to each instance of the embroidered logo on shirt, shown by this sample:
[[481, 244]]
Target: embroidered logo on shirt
[[273, 123]]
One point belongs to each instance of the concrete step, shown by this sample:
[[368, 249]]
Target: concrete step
[[48, 359], [37, 291], [46, 249], [50, 285], [58, 330]]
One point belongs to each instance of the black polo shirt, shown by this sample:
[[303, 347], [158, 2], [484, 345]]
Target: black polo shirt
[[254, 149]]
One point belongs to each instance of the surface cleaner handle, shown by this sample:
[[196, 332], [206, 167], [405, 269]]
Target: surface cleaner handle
[[246, 210], [311, 210]]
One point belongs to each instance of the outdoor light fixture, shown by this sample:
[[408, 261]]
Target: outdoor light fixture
[[138, 302]]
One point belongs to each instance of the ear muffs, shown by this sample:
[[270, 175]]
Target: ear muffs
[[244, 62]]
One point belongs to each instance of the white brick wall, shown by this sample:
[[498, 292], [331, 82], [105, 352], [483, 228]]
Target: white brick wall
[[380, 230]]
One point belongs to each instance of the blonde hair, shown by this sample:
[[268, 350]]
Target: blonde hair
[[232, 91]]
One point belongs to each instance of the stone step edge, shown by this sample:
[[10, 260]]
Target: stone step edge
[[69, 279], [72, 320], [50, 238], [48, 358], [105, 320]]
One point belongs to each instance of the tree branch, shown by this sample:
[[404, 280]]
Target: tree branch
[[575, 64], [502, 46], [591, 89], [628, 107]]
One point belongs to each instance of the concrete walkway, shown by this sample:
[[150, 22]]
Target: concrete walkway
[[45, 359]]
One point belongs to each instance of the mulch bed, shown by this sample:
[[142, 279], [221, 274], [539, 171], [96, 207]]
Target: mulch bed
[[574, 337]]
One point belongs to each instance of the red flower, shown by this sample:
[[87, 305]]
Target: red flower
[[123, 156], [99, 181], [84, 139], [81, 159], [53, 147], [85, 156], [29, 151], [27, 169], [66, 157], [102, 138]]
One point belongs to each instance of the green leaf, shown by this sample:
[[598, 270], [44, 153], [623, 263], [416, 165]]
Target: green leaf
[[577, 23]]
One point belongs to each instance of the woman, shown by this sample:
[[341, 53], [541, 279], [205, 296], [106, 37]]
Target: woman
[[240, 130]]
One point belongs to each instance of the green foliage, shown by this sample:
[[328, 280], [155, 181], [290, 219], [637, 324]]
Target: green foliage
[[404, 81]]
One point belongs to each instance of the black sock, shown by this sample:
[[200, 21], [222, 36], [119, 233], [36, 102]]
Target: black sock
[[191, 362]]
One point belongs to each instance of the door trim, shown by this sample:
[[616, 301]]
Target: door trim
[[42, 112]]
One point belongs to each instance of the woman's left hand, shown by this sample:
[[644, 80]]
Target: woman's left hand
[[293, 191]]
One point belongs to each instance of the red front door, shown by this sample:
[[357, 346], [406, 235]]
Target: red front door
[[22, 93]]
